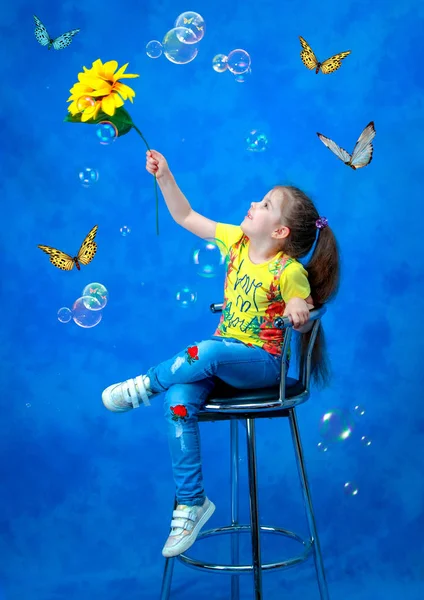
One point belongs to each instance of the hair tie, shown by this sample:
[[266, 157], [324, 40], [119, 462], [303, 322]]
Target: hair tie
[[321, 222]]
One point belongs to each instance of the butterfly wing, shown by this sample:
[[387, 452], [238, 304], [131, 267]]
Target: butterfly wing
[[308, 57], [362, 153], [58, 258], [64, 40], [41, 33], [339, 152], [88, 248], [334, 62]]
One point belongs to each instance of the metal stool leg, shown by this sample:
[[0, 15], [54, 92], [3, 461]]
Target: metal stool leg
[[319, 564], [168, 572], [235, 547], [254, 508], [167, 578]]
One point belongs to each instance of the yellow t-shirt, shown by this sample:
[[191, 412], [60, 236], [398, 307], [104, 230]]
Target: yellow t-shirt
[[254, 295]]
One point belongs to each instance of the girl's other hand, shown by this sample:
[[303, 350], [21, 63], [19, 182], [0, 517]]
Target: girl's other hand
[[156, 164], [297, 310]]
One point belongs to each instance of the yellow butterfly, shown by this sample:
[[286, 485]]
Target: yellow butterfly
[[362, 152], [188, 21], [85, 254], [311, 62]]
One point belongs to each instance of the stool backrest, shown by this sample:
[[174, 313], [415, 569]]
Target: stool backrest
[[305, 361]]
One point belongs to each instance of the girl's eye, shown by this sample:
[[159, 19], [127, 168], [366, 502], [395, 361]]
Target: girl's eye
[[266, 205]]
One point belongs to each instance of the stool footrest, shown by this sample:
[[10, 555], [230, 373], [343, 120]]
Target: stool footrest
[[240, 569]]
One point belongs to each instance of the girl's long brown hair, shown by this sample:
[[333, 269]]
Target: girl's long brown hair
[[300, 216]]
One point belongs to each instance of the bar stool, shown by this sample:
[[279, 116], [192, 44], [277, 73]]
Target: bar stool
[[232, 404]]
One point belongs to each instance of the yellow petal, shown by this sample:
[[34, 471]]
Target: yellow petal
[[79, 88], [87, 75], [124, 90], [118, 100], [98, 106], [97, 65], [120, 89], [96, 83], [126, 75], [108, 105], [120, 71], [109, 69], [102, 92], [73, 109], [120, 74], [90, 112]]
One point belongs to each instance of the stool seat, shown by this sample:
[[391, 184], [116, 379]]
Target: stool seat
[[228, 396], [223, 391]]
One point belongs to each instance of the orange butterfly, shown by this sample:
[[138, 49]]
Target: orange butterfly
[[311, 62], [85, 254]]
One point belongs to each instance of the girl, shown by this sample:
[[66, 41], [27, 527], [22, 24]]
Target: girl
[[264, 280]]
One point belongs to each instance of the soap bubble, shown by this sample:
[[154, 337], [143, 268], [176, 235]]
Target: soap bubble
[[64, 314], [365, 441], [358, 410], [88, 177], [98, 294], [185, 297], [125, 230], [106, 133], [336, 425], [85, 102], [193, 21], [350, 488], [154, 49], [210, 257], [322, 447], [256, 141], [219, 63], [238, 62], [178, 51], [86, 317]]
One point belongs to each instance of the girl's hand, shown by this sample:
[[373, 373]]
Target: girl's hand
[[156, 164], [297, 310]]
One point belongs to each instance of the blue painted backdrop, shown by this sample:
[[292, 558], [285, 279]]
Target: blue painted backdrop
[[86, 496]]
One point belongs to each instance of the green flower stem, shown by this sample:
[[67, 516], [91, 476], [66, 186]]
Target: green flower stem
[[156, 181]]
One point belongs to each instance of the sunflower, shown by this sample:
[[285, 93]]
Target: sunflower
[[99, 96], [99, 88]]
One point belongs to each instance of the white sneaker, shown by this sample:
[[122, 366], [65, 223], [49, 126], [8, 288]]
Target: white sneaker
[[186, 524], [124, 396]]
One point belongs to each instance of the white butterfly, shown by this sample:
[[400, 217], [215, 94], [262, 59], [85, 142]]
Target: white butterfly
[[362, 152], [44, 38]]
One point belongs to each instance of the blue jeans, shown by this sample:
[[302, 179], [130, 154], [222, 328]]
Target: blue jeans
[[188, 379]]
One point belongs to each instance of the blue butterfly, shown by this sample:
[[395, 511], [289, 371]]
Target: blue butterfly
[[362, 153], [43, 37]]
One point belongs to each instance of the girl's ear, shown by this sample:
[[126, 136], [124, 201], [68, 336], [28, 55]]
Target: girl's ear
[[283, 231]]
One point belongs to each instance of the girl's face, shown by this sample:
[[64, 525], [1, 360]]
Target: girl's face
[[265, 218]]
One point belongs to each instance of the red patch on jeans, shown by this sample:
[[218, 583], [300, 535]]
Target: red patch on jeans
[[179, 412], [192, 354]]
